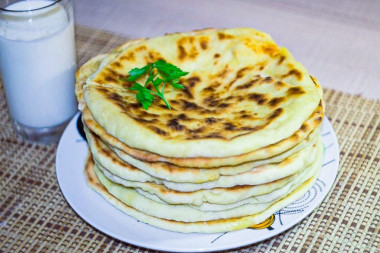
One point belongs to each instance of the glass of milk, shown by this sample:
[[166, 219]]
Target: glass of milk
[[37, 66]]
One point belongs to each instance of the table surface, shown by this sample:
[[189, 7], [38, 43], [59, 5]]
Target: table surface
[[34, 216], [338, 41]]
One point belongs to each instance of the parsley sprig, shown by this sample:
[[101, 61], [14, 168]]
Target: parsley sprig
[[159, 74]]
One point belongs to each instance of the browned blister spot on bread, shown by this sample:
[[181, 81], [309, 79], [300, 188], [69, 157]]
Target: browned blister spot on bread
[[279, 85], [247, 85], [304, 127], [130, 56], [268, 79], [141, 48], [295, 91], [276, 114], [187, 49], [193, 80], [241, 72], [154, 56], [116, 97], [158, 131], [274, 102], [258, 98], [110, 76], [186, 105], [270, 49], [173, 124], [116, 65], [203, 42], [187, 92], [281, 59], [214, 135], [223, 36], [211, 120], [294, 72]]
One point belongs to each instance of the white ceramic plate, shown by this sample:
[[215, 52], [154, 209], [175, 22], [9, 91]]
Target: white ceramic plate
[[71, 153]]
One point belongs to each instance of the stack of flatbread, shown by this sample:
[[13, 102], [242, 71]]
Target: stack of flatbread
[[240, 142]]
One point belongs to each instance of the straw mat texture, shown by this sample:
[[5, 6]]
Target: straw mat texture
[[34, 216]]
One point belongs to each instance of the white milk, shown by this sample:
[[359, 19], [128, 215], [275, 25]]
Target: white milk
[[37, 61]]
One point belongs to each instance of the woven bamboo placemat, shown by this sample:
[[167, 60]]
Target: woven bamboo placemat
[[34, 216]]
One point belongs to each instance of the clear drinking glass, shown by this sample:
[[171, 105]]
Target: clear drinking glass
[[37, 66]]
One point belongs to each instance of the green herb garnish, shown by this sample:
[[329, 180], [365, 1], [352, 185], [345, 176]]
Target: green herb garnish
[[159, 74]]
